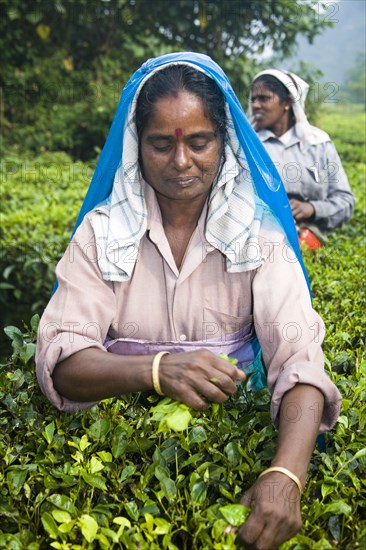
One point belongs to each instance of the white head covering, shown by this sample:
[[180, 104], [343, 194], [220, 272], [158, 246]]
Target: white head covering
[[246, 198], [234, 215], [298, 90]]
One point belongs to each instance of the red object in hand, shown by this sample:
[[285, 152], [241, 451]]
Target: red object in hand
[[308, 238]]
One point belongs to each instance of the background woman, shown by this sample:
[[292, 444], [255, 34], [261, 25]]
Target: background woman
[[306, 158], [185, 258]]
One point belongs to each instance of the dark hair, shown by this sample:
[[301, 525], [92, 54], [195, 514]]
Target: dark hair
[[274, 86], [174, 78]]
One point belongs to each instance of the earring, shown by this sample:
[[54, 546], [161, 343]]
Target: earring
[[287, 108]]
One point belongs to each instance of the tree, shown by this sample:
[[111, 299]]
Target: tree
[[355, 81], [60, 55]]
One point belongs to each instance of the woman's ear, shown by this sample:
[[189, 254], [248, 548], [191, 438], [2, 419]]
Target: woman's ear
[[288, 104]]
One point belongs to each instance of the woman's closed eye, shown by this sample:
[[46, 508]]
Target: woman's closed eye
[[165, 146], [161, 144], [198, 145], [201, 141]]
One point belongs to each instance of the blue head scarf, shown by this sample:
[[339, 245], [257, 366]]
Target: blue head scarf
[[266, 179]]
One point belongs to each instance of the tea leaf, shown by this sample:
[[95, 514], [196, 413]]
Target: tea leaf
[[338, 507], [63, 503], [61, 516], [123, 522], [94, 481], [199, 492], [50, 525], [95, 465], [132, 510], [179, 420], [197, 435], [360, 454], [235, 514], [89, 527], [49, 431]]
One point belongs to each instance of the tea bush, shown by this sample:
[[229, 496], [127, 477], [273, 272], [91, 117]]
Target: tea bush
[[346, 125], [41, 199], [143, 473], [118, 476]]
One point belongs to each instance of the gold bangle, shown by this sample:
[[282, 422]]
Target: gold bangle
[[283, 471], [155, 371]]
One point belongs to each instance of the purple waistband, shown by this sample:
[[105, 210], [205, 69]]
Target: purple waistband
[[243, 348]]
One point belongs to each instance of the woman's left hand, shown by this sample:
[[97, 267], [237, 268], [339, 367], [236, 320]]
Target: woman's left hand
[[301, 210], [275, 517]]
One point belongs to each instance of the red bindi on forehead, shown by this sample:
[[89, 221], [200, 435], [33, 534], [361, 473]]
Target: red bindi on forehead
[[178, 132]]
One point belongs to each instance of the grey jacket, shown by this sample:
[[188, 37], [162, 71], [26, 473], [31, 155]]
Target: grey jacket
[[315, 175]]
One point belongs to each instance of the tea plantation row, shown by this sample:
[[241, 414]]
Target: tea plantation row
[[123, 474]]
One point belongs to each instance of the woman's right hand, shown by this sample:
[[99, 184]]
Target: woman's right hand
[[301, 210], [198, 378]]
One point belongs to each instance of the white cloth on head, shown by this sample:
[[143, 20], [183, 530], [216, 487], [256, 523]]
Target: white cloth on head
[[233, 219], [298, 90]]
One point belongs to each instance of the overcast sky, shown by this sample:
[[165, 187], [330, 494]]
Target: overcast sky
[[335, 50]]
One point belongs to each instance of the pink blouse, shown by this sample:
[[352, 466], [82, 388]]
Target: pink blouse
[[201, 303]]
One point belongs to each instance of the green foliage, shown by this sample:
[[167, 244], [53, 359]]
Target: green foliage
[[139, 472], [41, 200], [108, 478], [355, 89], [346, 124], [337, 270], [49, 108]]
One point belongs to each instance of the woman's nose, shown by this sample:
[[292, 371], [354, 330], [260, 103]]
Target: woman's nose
[[182, 159]]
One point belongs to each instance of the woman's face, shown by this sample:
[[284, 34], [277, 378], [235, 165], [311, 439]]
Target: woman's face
[[268, 110], [180, 148]]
